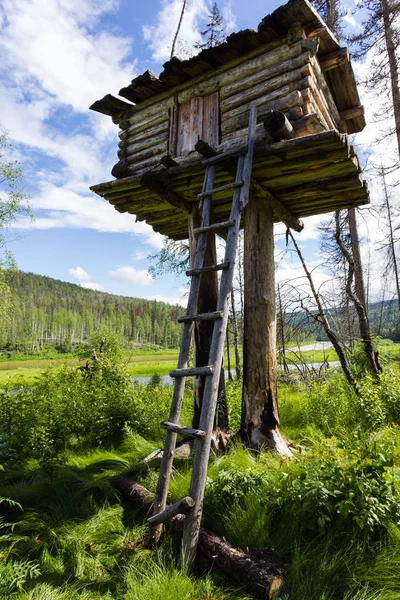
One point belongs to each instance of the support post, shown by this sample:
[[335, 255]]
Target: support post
[[260, 417]]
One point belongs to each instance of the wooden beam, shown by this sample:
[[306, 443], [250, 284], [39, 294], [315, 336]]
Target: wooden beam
[[279, 209], [278, 126], [334, 59], [351, 113], [110, 105], [150, 182], [256, 189]]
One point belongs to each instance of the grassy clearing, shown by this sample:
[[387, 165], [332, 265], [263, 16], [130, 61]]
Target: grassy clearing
[[334, 511]]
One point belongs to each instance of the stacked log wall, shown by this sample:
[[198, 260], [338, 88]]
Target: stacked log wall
[[283, 77]]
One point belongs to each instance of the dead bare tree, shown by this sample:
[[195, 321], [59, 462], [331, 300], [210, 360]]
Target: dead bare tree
[[389, 246], [380, 32], [178, 28], [321, 317], [355, 288]]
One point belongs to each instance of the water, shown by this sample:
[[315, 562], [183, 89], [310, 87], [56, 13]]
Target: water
[[167, 380]]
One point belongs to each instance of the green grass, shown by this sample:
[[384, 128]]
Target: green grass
[[75, 540]]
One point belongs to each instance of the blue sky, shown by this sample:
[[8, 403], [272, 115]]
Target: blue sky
[[58, 57]]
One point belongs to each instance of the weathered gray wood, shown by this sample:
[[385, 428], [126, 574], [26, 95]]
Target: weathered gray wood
[[260, 417], [257, 190], [182, 506], [150, 182], [275, 54], [350, 113], [167, 161], [160, 500], [221, 188], [334, 59], [264, 88], [142, 145], [233, 119], [110, 105], [278, 126], [202, 450], [185, 431], [220, 267], [263, 75], [211, 316], [160, 119], [215, 227], [258, 570], [194, 371]]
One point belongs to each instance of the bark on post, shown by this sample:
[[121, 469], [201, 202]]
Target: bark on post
[[203, 330], [260, 417]]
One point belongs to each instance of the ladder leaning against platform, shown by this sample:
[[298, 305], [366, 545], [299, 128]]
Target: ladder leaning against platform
[[192, 504]]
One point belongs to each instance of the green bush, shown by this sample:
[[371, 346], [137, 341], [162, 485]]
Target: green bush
[[347, 488], [72, 408]]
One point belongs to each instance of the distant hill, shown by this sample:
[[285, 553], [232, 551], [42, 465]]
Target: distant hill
[[383, 317], [49, 312], [53, 313]]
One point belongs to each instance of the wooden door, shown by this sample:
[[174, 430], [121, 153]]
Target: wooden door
[[197, 119]]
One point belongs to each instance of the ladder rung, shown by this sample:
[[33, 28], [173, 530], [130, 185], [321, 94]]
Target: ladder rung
[[211, 316], [221, 188], [193, 371], [171, 511], [221, 157], [220, 267], [198, 434], [223, 225]]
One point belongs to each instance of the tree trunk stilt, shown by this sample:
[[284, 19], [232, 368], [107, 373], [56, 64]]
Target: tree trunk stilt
[[260, 417]]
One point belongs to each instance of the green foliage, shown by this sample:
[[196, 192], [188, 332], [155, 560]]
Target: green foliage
[[69, 408], [13, 198], [14, 575], [350, 489], [334, 407]]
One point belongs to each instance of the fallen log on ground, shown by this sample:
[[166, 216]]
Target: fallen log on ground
[[259, 571]]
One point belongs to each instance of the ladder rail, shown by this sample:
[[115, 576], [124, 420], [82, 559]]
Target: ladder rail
[[203, 442], [160, 499], [202, 449]]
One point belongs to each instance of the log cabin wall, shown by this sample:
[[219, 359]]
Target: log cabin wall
[[285, 75]]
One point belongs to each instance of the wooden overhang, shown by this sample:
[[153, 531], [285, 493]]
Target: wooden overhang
[[305, 176], [334, 61]]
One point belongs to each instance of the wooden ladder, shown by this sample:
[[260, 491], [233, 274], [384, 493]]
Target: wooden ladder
[[192, 504]]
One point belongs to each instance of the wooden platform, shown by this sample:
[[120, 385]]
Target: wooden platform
[[309, 175]]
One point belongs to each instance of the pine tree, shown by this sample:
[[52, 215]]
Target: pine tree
[[380, 32], [214, 33]]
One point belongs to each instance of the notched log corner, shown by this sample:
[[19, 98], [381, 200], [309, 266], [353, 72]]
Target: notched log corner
[[259, 570], [121, 170]]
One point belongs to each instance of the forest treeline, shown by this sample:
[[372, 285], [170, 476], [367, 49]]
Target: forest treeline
[[48, 313], [51, 313]]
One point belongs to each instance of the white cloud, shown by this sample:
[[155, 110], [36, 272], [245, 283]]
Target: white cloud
[[132, 275], [160, 35], [90, 285], [140, 255], [55, 45], [348, 18], [66, 208], [56, 61], [180, 298], [79, 274]]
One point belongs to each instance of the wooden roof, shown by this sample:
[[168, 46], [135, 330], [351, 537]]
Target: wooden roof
[[176, 73], [307, 176]]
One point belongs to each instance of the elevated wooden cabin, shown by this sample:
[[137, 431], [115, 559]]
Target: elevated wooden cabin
[[292, 63]]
